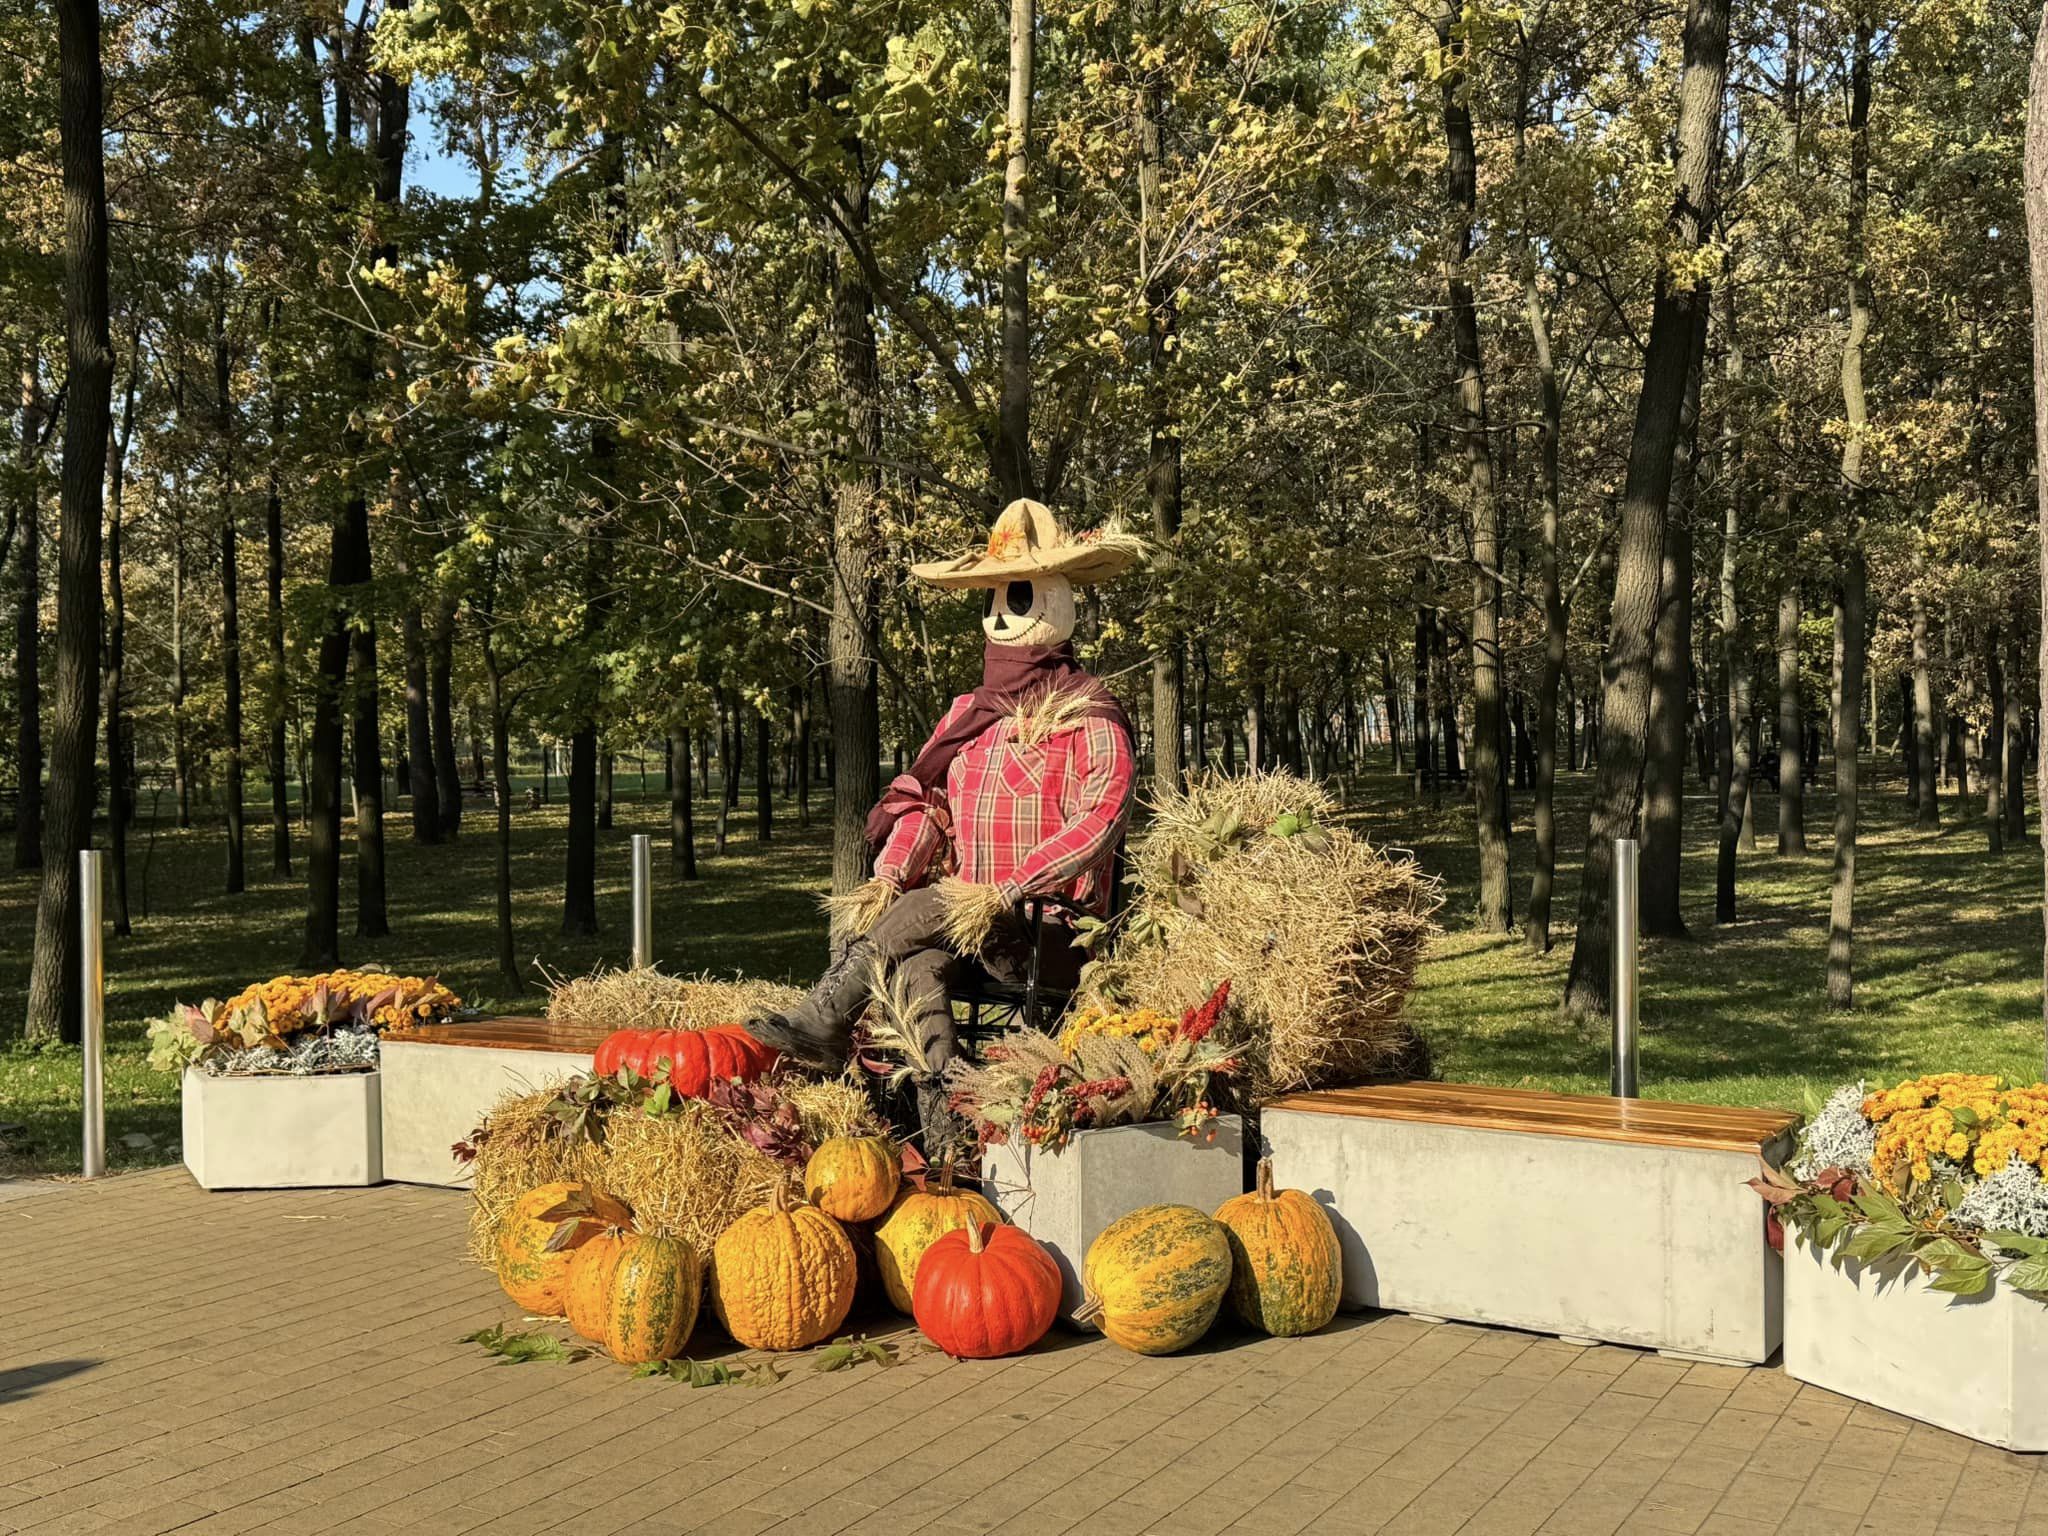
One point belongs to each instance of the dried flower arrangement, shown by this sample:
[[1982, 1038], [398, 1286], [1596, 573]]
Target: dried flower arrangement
[[1106, 1068], [1947, 1173]]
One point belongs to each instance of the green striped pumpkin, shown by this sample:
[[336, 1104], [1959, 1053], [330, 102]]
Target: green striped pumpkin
[[1156, 1278], [1286, 1271], [654, 1297]]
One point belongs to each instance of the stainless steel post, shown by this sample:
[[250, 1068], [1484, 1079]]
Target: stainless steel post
[[92, 979], [643, 899], [1624, 1079]]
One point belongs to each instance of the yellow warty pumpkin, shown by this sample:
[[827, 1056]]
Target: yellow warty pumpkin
[[852, 1178], [782, 1277], [1286, 1271], [916, 1220], [1155, 1279], [532, 1276]]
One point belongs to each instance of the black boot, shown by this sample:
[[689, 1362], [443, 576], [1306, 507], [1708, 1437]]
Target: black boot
[[819, 1030]]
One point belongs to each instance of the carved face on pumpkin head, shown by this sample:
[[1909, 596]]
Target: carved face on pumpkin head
[[1035, 612]]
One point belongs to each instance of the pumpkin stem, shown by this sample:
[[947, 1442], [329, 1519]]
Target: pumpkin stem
[[778, 1198], [1265, 1178], [975, 1241], [946, 1179], [1088, 1311]]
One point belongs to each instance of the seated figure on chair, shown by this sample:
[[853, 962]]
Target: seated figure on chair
[[1023, 790]]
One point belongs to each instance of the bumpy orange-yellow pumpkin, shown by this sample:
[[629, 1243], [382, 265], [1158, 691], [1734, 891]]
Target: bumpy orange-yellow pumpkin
[[851, 1178], [653, 1302], [589, 1290], [782, 1276], [1286, 1270], [916, 1220], [531, 1275]]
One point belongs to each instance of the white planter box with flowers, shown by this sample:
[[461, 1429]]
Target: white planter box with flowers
[[1111, 1116], [281, 1088], [1916, 1264]]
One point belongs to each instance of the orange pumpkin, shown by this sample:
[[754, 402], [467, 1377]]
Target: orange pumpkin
[[533, 1274], [592, 1267], [986, 1291], [782, 1276]]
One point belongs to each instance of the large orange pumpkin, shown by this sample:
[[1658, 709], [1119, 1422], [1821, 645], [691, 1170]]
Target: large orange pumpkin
[[852, 1178], [916, 1220], [1286, 1271], [986, 1290], [532, 1274], [696, 1057], [782, 1276]]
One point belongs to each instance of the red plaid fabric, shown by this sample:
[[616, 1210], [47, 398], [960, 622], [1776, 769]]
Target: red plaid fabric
[[1039, 820]]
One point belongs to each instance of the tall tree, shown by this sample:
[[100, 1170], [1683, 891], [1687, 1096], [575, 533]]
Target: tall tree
[[28, 627], [1625, 693], [55, 997]]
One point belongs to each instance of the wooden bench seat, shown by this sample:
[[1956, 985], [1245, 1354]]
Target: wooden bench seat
[[1619, 1219]]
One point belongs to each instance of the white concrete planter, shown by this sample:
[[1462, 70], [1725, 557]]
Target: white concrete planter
[[1649, 1242], [1065, 1198], [283, 1132], [1975, 1364], [435, 1094]]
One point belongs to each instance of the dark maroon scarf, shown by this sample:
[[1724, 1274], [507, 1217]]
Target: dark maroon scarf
[[1011, 676]]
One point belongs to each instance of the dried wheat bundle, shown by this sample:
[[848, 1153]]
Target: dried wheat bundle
[[1318, 932], [521, 1146]]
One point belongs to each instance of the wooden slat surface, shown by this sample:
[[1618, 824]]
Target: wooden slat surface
[[1652, 1122], [508, 1034]]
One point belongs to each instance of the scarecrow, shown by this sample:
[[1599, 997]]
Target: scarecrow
[[1023, 790]]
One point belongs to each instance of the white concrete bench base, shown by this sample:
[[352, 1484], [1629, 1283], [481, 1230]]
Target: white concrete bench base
[[318, 1132], [1977, 1365], [1551, 1225], [1065, 1198], [435, 1095]]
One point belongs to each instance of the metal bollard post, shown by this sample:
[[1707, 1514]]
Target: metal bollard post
[[92, 978], [1623, 1081], [643, 900]]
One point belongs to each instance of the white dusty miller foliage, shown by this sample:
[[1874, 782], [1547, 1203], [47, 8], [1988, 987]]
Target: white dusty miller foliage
[[346, 1050], [1837, 1137], [2014, 1199]]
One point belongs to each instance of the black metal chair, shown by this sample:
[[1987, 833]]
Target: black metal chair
[[994, 1006]]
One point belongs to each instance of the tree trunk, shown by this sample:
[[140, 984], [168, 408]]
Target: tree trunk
[[1849, 629], [1425, 724], [1555, 621], [1013, 418], [579, 881], [441, 717], [1495, 899], [230, 593], [419, 740], [1671, 672], [607, 761], [1994, 745], [1928, 811], [54, 996], [800, 748], [852, 696], [764, 807], [501, 793], [181, 756], [279, 683], [2015, 744], [1791, 720], [729, 769], [1163, 468], [682, 834], [28, 626], [120, 802], [1625, 705]]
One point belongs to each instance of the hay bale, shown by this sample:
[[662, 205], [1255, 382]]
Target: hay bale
[[519, 1148], [648, 998], [1319, 933]]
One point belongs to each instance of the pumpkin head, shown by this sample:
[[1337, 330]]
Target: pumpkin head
[[852, 1178], [1287, 1272], [986, 1290], [917, 1219], [1155, 1279], [653, 1302], [533, 1265], [589, 1290], [782, 1276]]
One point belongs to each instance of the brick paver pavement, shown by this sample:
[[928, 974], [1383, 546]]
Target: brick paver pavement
[[288, 1362]]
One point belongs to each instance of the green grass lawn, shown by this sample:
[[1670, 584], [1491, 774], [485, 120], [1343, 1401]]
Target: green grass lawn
[[1948, 952]]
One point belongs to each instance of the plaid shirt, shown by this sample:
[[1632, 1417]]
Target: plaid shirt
[[1038, 820]]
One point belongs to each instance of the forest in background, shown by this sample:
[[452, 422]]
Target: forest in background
[[1514, 387]]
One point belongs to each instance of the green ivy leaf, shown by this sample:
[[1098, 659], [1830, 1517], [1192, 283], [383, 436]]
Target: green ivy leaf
[[518, 1348], [2029, 1275]]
